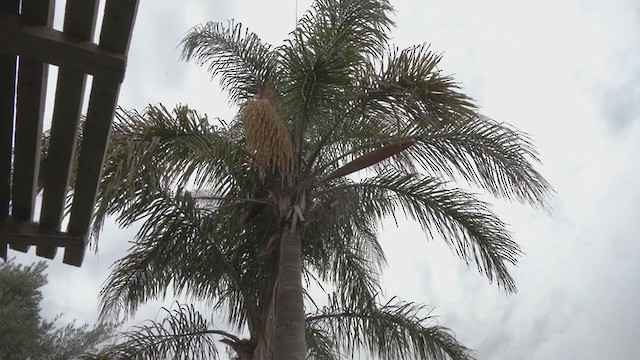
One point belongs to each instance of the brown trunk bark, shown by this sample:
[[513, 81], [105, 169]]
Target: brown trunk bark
[[262, 352], [288, 340]]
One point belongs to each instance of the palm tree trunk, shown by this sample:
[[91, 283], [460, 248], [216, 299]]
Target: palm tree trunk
[[288, 340]]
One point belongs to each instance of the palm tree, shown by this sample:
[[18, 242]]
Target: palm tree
[[333, 100], [192, 243]]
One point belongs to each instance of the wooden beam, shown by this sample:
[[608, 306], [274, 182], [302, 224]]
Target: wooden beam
[[79, 21], [102, 102], [32, 83], [22, 37], [31, 91], [8, 68], [117, 26], [24, 232], [115, 35], [10, 6]]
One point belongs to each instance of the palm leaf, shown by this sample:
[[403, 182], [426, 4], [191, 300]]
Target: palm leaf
[[243, 63], [395, 330], [320, 345], [321, 60], [166, 254], [182, 334], [408, 86], [485, 153], [342, 247], [466, 224], [481, 152], [162, 148]]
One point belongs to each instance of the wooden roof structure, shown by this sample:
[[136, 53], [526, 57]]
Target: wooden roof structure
[[28, 44]]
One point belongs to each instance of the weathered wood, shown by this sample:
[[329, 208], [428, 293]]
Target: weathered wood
[[32, 83], [7, 100], [115, 35], [104, 94], [80, 20], [9, 6], [29, 233], [38, 11], [8, 68], [117, 25], [62, 141], [31, 91], [22, 37]]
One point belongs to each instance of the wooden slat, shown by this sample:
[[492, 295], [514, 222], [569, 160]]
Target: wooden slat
[[32, 82], [31, 90], [115, 35], [8, 67], [22, 37], [80, 20], [7, 102], [117, 26], [104, 95]]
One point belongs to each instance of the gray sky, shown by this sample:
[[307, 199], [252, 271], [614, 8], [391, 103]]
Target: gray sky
[[565, 71]]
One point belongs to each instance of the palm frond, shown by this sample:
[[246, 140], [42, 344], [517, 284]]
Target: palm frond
[[349, 268], [362, 24], [342, 247], [486, 153], [181, 142], [162, 148], [174, 249], [320, 345], [395, 330], [182, 334], [192, 248], [481, 152], [320, 62], [409, 88], [466, 224], [243, 63]]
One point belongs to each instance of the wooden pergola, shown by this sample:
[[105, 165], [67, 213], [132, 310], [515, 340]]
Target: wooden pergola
[[28, 44]]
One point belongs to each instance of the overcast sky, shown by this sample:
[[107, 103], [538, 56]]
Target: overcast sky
[[565, 71]]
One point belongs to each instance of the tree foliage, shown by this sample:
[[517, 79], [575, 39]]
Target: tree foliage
[[25, 334]]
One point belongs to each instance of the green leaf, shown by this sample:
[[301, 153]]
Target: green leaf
[[243, 63], [473, 232], [394, 330]]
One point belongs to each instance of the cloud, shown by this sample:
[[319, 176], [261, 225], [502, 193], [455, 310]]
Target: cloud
[[617, 76], [620, 99]]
